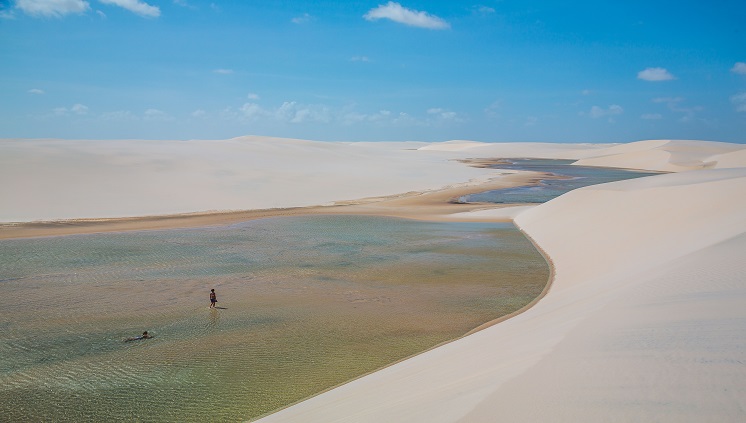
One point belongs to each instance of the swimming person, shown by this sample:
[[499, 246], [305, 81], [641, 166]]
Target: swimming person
[[213, 298], [144, 335]]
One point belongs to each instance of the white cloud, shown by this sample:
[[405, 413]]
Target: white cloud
[[36, 91], [119, 115], [397, 13], [184, 3], [289, 111], [404, 118], [655, 75], [531, 121], [493, 110], [52, 8], [360, 59], [674, 104], [668, 100], [252, 110], [101, 14], [223, 71], [739, 68], [598, 112], [79, 109], [444, 115], [353, 117], [157, 115], [586, 92], [199, 113], [293, 112], [304, 18], [483, 10], [651, 116], [252, 96], [739, 100], [135, 6]]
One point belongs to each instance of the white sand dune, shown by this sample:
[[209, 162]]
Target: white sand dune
[[645, 319], [61, 179], [47, 179], [668, 155]]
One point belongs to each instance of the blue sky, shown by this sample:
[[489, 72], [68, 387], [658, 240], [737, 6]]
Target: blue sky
[[374, 70]]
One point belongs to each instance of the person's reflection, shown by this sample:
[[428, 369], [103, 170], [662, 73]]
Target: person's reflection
[[214, 319]]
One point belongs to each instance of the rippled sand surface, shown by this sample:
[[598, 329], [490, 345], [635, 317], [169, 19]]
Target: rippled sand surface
[[305, 303]]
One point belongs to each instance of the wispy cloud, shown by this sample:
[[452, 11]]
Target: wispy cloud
[[288, 112], [52, 8], [483, 10], [223, 71], [304, 18], [157, 115], [360, 59], [119, 116], [36, 91], [655, 75], [493, 110], [252, 96], [184, 3], [395, 12], [444, 115], [298, 113], [668, 100], [739, 68], [739, 100], [78, 109], [651, 116], [135, 6], [351, 117], [599, 112], [674, 104]]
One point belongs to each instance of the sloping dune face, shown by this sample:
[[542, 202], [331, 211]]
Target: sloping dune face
[[643, 322]]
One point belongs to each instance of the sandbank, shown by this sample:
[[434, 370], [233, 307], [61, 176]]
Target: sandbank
[[433, 205]]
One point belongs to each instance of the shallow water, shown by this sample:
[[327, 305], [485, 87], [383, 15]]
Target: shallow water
[[571, 177], [306, 303]]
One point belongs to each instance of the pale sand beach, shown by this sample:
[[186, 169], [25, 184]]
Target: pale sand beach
[[645, 318]]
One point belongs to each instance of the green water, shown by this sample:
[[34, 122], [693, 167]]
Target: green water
[[306, 303]]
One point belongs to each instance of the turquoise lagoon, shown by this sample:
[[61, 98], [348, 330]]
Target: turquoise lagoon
[[306, 303]]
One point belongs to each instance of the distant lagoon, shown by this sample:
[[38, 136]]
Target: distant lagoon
[[565, 178]]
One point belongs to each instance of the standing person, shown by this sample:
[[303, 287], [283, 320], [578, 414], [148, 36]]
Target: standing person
[[213, 298]]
